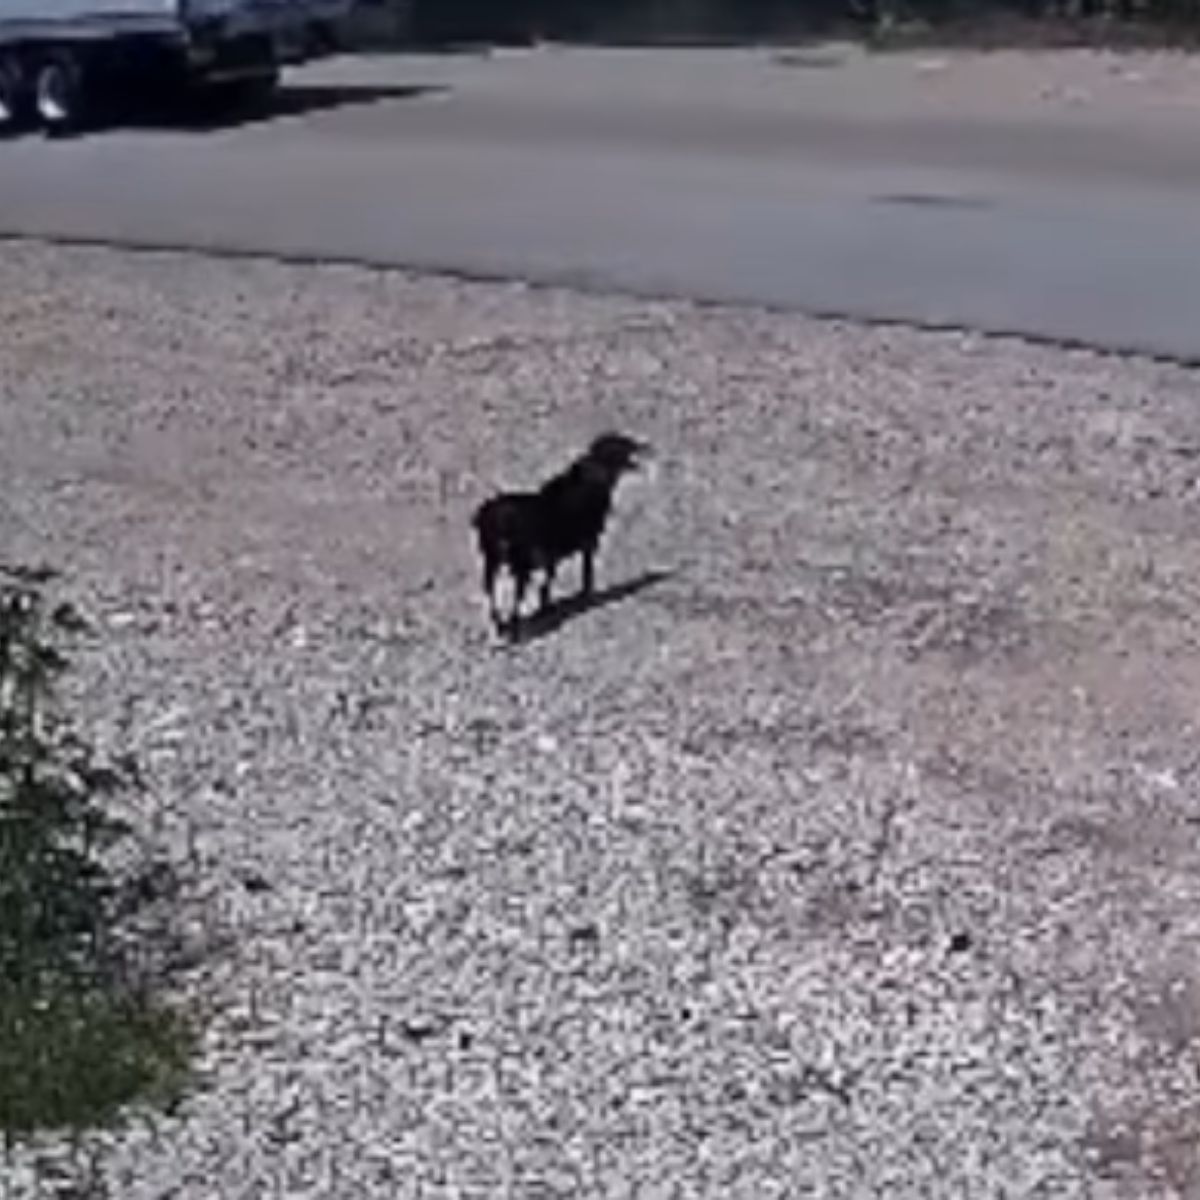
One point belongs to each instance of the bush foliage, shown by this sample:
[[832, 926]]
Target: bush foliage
[[79, 1039], [601, 20]]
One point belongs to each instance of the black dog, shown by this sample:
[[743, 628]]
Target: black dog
[[535, 531]]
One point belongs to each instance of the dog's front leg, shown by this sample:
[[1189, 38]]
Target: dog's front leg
[[589, 571], [547, 586]]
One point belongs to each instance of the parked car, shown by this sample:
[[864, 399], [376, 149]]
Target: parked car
[[63, 61]]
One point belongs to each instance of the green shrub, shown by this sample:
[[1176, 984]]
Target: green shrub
[[78, 1039]]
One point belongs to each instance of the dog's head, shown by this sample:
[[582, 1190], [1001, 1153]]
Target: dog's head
[[617, 454]]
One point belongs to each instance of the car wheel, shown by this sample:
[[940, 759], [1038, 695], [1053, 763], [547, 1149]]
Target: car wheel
[[59, 94], [12, 93]]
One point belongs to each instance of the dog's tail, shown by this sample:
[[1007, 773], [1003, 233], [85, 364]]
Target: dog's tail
[[489, 514], [490, 522]]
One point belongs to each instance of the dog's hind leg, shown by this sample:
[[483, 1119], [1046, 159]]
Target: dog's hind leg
[[491, 568], [521, 573]]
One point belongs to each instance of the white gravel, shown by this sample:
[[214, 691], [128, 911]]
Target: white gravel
[[856, 857]]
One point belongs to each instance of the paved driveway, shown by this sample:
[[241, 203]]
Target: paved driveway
[[1052, 196]]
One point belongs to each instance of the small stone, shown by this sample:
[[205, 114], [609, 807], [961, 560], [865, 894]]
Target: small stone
[[585, 936], [420, 1029]]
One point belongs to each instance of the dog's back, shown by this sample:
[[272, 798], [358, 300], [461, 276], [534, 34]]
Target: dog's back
[[527, 532], [566, 515], [574, 507]]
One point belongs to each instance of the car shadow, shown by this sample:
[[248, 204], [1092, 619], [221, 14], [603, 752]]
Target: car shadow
[[203, 114], [551, 620]]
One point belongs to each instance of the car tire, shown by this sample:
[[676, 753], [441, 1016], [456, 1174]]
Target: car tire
[[12, 94], [59, 94]]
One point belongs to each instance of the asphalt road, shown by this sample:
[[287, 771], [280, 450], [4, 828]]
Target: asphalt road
[[833, 188]]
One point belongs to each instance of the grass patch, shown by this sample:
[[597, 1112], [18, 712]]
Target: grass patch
[[83, 1033], [72, 1057]]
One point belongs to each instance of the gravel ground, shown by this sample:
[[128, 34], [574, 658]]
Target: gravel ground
[[849, 851]]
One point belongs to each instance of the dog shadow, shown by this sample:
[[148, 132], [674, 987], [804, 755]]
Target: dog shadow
[[550, 620]]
